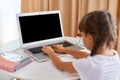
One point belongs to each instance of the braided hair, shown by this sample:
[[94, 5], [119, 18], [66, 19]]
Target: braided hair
[[101, 25]]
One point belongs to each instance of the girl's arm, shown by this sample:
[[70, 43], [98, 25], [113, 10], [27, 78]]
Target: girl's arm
[[63, 66], [75, 53]]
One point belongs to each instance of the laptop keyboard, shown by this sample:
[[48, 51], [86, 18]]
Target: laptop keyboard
[[38, 49]]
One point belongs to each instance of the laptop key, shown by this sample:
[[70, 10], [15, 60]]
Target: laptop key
[[38, 49], [35, 50], [66, 44]]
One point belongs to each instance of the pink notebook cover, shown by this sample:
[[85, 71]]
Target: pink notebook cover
[[7, 65]]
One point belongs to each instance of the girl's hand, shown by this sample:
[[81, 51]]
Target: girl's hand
[[47, 49], [58, 48]]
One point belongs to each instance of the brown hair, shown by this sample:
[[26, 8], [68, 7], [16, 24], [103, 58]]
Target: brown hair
[[101, 25]]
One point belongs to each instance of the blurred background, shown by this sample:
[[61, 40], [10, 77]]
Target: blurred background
[[71, 10]]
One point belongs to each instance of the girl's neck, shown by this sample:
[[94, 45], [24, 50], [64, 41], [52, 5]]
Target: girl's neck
[[105, 51]]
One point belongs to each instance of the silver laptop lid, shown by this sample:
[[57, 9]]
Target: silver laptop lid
[[40, 28]]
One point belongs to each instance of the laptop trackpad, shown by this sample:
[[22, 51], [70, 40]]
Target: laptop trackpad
[[40, 56]]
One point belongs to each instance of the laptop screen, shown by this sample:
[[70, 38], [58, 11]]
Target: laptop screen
[[38, 27]]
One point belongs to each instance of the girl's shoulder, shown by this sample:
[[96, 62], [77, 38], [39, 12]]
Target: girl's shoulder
[[97, 59]]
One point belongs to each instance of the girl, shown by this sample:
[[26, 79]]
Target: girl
[[98, 30]]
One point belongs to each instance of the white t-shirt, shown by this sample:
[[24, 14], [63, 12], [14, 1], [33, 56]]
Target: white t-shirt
[[98, 67]]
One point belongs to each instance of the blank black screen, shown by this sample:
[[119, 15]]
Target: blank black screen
[[40, 27]]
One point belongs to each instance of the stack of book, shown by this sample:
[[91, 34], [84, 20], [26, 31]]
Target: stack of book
[[12, 61]]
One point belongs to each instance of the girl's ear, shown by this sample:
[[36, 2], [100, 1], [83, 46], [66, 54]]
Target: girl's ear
[[88, 41], [90, 38]]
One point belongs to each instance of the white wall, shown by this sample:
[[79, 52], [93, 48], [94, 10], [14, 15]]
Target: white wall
[[8, 23]]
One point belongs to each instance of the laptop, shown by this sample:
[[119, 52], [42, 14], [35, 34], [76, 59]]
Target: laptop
[[37, 29]]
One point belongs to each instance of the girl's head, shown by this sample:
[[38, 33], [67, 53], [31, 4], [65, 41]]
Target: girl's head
[[100, 29]]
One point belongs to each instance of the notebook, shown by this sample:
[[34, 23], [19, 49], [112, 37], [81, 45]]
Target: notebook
[[37, 29]]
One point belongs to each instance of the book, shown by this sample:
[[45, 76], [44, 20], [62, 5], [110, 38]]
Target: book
[[13, 61]]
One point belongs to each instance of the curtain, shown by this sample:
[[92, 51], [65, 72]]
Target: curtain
[[73, 10], [118, 28], [69, 14]]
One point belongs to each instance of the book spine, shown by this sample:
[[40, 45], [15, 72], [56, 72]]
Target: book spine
[[6, 68], [7, 65]]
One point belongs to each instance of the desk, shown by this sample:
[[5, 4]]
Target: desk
[[38, 71]]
